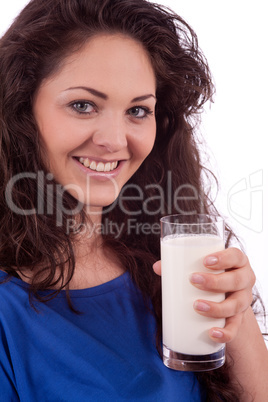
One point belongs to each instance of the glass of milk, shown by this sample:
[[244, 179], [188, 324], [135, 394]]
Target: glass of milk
[[185, 241]]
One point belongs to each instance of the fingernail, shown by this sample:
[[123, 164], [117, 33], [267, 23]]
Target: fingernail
[[201, 306], [211, 260], [216, 333], [197, 279]]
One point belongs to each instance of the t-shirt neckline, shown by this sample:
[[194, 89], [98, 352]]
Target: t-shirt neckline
[[86, 292]]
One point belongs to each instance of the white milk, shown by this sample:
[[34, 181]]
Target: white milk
[[184, 330]]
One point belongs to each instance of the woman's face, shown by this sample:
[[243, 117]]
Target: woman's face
[[96, 118]]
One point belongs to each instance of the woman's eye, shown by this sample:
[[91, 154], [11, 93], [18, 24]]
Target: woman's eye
[[139, 112], [82, 107]]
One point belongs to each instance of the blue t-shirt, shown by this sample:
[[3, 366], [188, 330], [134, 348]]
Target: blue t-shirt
[[105, 353]]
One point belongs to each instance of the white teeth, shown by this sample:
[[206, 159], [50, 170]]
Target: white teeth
[[107, 167], [86, 162], [93, 166], [100, 166]]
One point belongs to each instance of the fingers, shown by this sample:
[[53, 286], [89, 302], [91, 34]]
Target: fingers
[[225, 282], [235, 278], [157, 267], [229, 332], [226, 259], [236, 281], [234, 304], [238, 274]]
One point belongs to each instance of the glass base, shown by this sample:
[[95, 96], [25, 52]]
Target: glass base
[[182, 362]]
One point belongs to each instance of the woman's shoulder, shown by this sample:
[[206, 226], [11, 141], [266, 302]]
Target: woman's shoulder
[[7, 277], [11, 288], [3, 275], [14, 302]]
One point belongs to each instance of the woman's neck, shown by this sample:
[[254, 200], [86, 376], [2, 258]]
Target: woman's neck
[[95, 263]]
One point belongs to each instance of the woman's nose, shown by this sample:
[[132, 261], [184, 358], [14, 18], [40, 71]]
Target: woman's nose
[[112, 134]]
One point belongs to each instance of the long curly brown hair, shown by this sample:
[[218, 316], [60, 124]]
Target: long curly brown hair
[[34, 234]]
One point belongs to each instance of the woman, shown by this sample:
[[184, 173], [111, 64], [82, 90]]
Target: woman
[[99, 102]]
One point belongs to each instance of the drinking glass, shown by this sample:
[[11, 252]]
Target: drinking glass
[[185, 241]]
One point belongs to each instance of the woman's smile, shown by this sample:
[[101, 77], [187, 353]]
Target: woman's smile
[[96, 118], [99, 170], [98, 166]]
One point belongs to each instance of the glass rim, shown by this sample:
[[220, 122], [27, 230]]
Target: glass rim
[[217, 219]]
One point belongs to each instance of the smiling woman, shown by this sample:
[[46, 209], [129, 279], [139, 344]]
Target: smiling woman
[[99, 105], [98, 137]]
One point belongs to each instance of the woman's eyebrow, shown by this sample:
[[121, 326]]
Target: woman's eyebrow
[[91, 90], [142, 98], [102, 95]]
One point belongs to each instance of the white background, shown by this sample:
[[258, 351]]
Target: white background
[[233, 35]]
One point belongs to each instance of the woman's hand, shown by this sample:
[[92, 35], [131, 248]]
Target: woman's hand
[[236, 282]]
